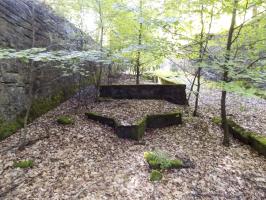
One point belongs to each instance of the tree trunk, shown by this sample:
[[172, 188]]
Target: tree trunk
[[23, 139], [139, 44], [195, 113], [226, 141], [192, 85], [98, 73]]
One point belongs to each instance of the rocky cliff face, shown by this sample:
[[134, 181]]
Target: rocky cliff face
[[18, 19]]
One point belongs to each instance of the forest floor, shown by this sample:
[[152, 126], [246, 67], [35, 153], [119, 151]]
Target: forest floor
[[88, 161]]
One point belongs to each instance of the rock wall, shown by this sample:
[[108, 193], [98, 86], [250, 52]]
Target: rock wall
[[17, 19]]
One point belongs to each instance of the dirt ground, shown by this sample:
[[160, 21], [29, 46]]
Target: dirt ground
[[88, 161]]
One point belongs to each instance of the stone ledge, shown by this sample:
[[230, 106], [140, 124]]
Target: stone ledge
[[255, 140], [136, 131], [174, 93]]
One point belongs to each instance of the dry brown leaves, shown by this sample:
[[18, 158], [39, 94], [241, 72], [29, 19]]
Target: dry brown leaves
[[130, 111], [88, 161]]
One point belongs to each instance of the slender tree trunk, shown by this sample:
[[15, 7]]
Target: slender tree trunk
[[226, 141], [202, 51], [98, 72], [23, 139], [195, 113], [225, 127], [192, 85], [139, 44]]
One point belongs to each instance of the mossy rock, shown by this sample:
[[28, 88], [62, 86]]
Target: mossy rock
[[255, 140], [23, 164], [258, 143], [157, 161], [65, 120], [155, 175], [176, 163]]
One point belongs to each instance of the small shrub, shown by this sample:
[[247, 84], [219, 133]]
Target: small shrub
[[156, 175], [23, 164], [160, 160], [65, 120], [154, 164], [217, 120]]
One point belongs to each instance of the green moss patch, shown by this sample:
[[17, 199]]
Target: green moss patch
[[155, 175], [137, 130], [39, 107], [65, 120], [8, 128], [217, 120], [23, 164], [159, 160]]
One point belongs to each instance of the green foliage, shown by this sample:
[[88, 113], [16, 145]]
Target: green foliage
[[160, 160], [23, 164], [8, 128], [65, 120], [217, 120], [175, 164], [43, 105], [39, 107], [155, 175]]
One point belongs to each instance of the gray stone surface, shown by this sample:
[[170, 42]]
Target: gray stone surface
[[52, 32], [16, 19]]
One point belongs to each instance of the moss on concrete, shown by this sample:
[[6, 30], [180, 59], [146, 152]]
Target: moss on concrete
[[164, 120], [137, 130], [255, 140], [141, 127], [258, 142]]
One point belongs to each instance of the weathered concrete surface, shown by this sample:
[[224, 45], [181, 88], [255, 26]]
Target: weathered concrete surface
[[17, 19], [173, 93]]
